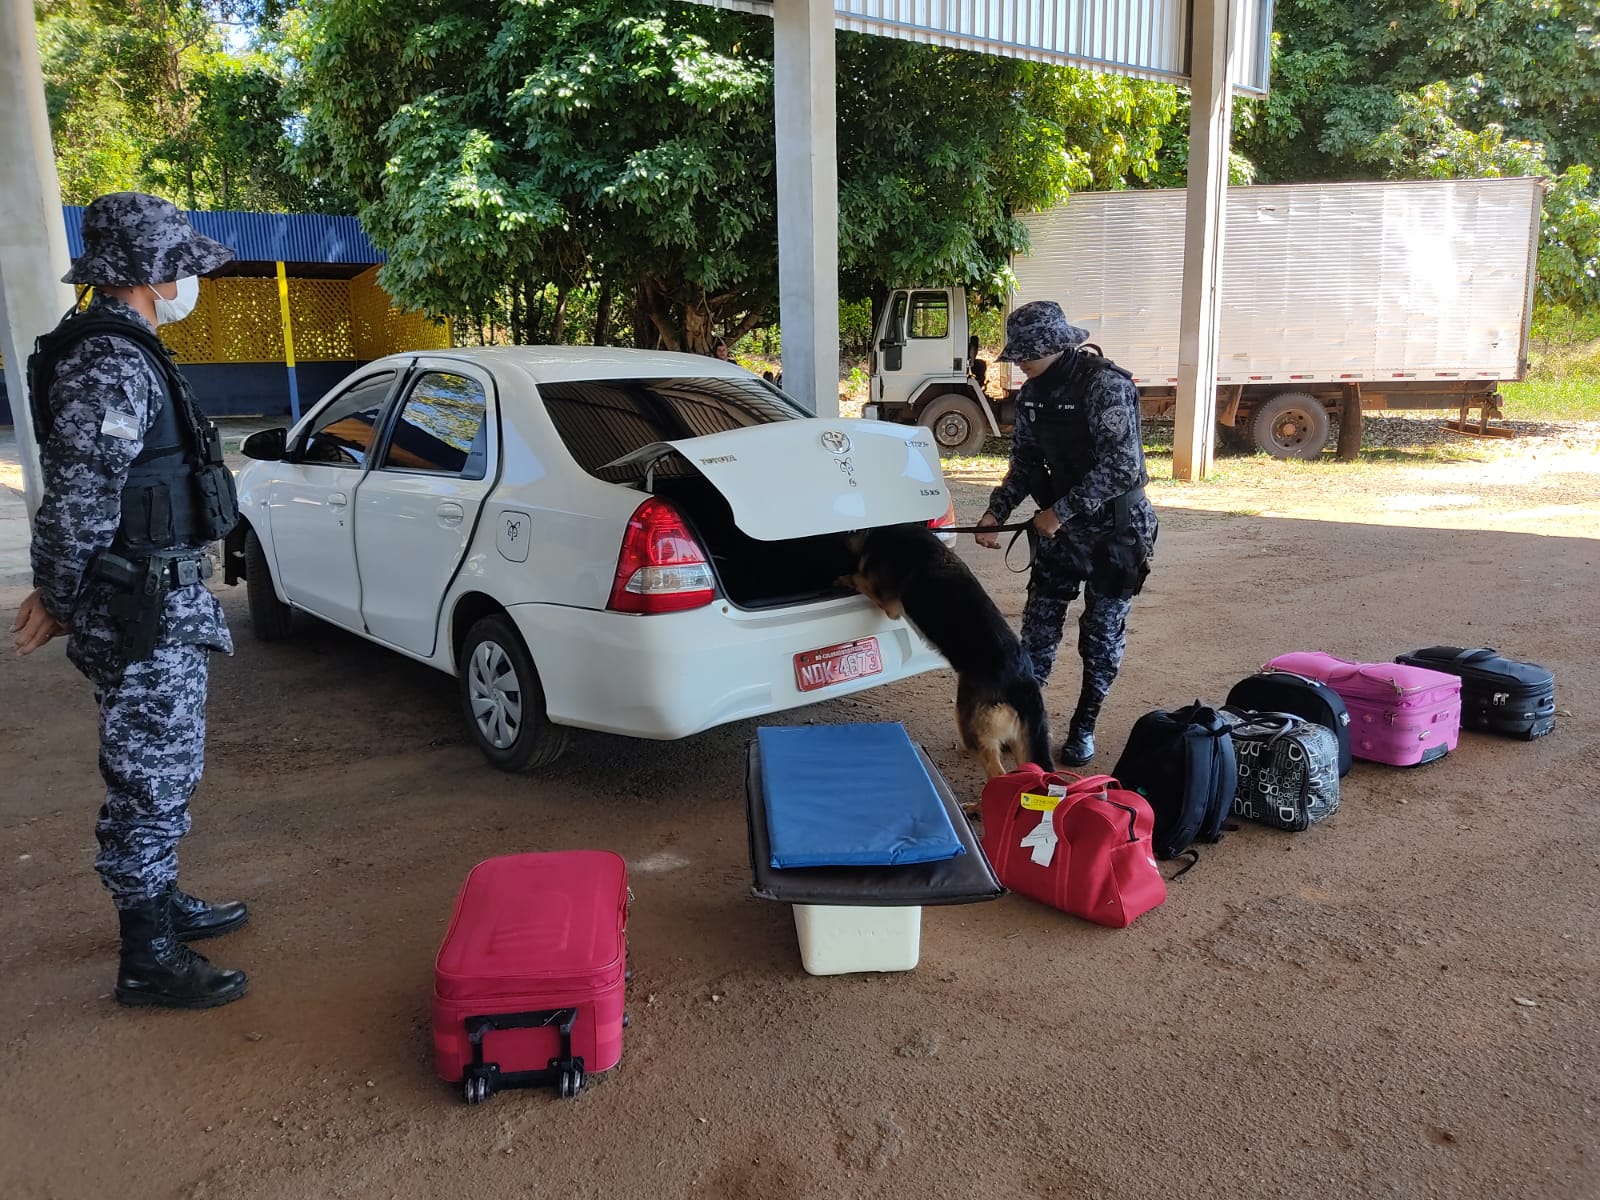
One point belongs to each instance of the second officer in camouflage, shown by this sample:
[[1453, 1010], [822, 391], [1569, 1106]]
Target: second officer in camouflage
[[1076, 450], [135, 491]]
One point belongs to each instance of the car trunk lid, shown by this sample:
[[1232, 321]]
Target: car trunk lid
[[801, 478]]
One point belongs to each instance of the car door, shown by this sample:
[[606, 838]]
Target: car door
[[416, 509], [309, 505]]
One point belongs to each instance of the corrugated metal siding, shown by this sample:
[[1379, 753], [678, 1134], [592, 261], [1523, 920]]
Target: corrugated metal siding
[[1369, 281], [268, 237], [1146, 38]]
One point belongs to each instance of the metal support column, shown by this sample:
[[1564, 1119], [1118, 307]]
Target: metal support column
[[808, 204], [1200, 317], [33, 238], [288, 343]]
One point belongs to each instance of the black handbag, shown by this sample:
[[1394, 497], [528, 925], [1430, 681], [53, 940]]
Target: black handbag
[[1288, 769]]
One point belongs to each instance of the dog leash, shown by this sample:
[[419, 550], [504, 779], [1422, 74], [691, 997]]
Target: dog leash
[[1016, 529]]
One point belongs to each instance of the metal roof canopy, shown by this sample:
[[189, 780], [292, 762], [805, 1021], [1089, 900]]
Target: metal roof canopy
[[263, 237], [1144, 38], [1216, 46]]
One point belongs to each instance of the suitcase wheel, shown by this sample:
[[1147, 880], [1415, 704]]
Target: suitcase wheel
[[476, 1089], [570, 1082]]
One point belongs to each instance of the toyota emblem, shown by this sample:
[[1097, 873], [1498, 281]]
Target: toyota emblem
[[835, 442]]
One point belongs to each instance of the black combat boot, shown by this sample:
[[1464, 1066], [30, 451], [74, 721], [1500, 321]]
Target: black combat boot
[[1079, 746], [157, 969], [194, 920]]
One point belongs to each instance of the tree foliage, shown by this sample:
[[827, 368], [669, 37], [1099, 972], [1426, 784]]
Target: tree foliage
[[628, 144], [150, 95]]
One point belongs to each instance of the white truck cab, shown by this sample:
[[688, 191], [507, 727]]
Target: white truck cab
[[922, 372]]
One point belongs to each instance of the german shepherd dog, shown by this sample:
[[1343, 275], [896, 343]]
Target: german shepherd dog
[[907, 571]]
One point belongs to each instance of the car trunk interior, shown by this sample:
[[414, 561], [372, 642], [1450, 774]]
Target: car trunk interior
[[756, 574]]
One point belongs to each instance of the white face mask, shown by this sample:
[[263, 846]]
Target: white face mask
[[169, 312]]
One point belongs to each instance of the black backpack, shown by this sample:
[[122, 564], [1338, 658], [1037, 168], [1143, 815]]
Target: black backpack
[[1182, 763], [1285, 692]]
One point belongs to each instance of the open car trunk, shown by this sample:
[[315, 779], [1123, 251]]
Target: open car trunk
[[772, 503], [751, 572]]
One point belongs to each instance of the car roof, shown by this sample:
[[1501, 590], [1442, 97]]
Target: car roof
[[560, 364]]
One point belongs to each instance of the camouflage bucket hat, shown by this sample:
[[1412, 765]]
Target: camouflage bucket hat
[[1038, 330], [130, 238]]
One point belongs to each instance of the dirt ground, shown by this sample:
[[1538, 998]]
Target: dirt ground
[[1399, 1003]]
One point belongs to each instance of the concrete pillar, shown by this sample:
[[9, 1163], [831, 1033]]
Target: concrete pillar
[[33, 239], [808, 201], [1200, 316]]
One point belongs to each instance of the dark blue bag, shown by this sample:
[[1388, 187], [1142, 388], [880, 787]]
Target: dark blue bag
[[1182, 763]]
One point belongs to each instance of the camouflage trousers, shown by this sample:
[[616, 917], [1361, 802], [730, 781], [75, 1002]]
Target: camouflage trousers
[[1102, 628], [152, 750]]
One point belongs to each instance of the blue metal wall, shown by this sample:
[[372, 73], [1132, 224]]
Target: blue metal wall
[[245, 389]]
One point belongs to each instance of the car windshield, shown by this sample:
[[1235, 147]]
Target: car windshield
[[602, 420]]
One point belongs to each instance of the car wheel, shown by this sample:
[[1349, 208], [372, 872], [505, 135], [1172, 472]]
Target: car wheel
[[271, 620], [503, 700], [1291, 425], [957, 424]]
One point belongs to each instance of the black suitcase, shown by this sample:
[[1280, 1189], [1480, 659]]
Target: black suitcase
[[1498, 695], [1285, 692]]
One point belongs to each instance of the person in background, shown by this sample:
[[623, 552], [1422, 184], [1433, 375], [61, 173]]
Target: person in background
[[978, 366]]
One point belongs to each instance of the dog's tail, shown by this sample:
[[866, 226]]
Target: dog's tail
[[1026, 697]]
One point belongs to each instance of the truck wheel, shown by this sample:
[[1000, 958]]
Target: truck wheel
[[271, 620], [1291, 425], [957, 424], [503, 699]]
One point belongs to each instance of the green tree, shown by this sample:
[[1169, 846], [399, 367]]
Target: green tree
[[149, 94], [1342, 70], [626, 147]]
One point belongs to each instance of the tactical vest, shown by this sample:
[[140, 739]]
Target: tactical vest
[[179, 492], [1058, 403]]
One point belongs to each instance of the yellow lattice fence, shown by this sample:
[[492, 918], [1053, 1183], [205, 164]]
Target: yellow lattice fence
[[238, 320], [381, 329]]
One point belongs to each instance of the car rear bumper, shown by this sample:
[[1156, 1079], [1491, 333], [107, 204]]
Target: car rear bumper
[[670, 675]]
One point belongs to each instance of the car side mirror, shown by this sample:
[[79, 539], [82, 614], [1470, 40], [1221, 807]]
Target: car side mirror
[[266, 444]]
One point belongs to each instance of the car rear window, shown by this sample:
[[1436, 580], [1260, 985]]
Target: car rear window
[[600, 421]]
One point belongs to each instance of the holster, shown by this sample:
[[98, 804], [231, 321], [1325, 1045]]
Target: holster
[[139, 589]]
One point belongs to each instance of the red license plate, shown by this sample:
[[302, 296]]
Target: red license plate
[[815, 669]]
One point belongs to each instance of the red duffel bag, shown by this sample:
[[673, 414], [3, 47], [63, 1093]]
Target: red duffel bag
[[1086, 852]]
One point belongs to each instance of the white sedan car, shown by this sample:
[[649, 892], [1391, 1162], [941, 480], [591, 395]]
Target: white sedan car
[[632, 541]]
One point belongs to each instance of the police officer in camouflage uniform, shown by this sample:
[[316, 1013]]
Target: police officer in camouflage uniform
[[135, 491], [1075, 448]]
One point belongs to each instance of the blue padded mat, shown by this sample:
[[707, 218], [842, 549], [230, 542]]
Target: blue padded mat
[[851, 796]]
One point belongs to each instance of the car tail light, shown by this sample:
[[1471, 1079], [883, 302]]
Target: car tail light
[[949, 517], [661, 568]]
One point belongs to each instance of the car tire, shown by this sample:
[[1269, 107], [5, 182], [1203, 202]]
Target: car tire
[[271, 620], [503, 699], [957, 424], [1291, 425]]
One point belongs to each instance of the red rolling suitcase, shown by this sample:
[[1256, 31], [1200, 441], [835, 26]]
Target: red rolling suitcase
[[528, 983]]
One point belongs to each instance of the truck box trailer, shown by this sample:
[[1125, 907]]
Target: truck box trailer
[[1336, 297]]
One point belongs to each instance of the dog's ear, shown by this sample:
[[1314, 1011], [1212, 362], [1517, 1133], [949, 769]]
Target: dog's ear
[[856, 540]]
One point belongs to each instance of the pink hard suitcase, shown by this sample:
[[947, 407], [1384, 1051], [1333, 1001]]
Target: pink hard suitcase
[[1401, 715], [528, 983]]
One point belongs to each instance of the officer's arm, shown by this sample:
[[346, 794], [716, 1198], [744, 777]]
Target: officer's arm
[[1027, 459], [1113, 411], [103, 403]]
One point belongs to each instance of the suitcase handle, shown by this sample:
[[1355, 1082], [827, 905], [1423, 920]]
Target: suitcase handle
[[564, 1072]]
